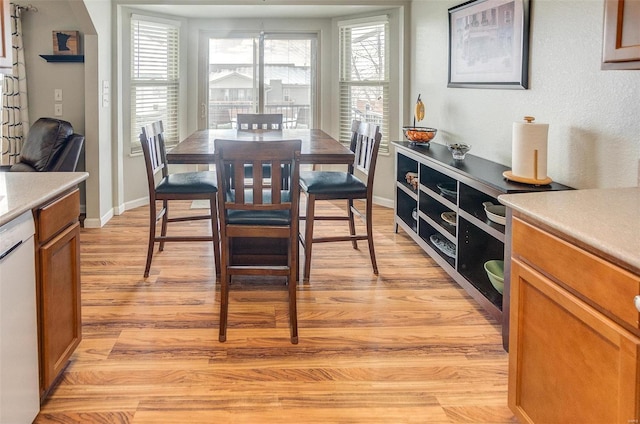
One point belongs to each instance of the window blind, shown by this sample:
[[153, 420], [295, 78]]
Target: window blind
[[364, 76], [154, 77]]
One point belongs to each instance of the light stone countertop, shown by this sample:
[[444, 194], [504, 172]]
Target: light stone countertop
[[22, 191], [606, 219]]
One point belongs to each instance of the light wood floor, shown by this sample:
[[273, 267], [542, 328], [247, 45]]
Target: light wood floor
[[407, 346]]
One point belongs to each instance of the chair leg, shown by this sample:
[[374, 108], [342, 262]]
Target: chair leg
[[352, 225], [308, 237], [372, 253], [293, 290], [165, 218], [224, 302], [215, 233], [152, 236]]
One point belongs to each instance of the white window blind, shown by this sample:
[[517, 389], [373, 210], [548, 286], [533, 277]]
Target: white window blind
[[364, 76], [154, 77]]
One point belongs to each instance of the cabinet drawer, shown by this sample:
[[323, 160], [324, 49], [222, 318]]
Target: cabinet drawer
[[57, 215], [605, 286]]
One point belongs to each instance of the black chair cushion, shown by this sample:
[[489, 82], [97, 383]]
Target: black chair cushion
[[243, 217], [332, 183], [188, 183]]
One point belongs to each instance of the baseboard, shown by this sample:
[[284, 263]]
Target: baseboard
[[98, 222], [382, 201], [132, 204]]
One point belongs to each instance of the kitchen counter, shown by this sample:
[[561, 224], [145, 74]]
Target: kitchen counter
[[22, 191], [603, 221]]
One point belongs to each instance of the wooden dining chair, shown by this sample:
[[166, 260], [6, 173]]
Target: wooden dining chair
[[336, 185], [164, 187], [257, 211], [260, 121]]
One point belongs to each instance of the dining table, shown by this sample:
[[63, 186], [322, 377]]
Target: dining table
[[318, 147]]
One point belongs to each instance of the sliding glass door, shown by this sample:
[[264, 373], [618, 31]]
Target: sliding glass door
[[261, 73]]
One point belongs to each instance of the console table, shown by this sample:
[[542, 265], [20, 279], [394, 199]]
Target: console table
[[461, 187]]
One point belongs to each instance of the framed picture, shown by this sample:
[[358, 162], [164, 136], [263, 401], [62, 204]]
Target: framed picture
[[66, 42], [489, 44]]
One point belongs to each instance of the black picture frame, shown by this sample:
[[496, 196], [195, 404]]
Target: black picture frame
[[489, 44]]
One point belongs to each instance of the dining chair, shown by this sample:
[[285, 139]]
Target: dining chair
[[163, 187], [337, 185], [259, 121], [257, 210]]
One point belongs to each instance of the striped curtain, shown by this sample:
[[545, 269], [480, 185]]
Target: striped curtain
[[15, 110]]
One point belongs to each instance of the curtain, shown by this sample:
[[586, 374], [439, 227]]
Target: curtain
[[15, 110]]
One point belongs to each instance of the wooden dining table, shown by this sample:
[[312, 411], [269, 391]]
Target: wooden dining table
[[317, 146]]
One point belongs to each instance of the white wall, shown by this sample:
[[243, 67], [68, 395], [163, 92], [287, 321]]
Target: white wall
[[79, 83], [594, 132]]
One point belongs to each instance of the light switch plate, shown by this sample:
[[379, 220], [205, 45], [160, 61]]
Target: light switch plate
[[57, 109], [57, 94]]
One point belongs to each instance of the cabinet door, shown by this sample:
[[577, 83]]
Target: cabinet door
[[60, 319], [6, 53], [567, 362]]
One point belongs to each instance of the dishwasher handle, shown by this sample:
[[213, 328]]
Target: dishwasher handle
[[9, 250]]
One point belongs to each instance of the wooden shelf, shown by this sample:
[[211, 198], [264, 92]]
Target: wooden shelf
[[63, 58]]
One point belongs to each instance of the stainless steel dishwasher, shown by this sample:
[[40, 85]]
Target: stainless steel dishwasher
[[19, 392]]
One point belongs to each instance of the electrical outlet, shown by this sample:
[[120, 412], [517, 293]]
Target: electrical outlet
[[57, 94], [57, 109]]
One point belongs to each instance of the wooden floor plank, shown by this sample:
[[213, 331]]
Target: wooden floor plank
[[407, 346]]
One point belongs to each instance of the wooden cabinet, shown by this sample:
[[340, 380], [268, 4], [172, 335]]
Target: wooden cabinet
[[621, 38], [58, 285], [575, 335], [459, 187], [6, 52]]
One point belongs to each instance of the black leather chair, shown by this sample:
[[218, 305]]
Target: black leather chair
[[51, 146]]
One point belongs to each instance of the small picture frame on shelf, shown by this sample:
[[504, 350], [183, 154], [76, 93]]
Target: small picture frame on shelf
[[66, 42]]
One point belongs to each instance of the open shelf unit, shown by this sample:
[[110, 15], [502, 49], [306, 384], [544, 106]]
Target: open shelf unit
[[461, 187]]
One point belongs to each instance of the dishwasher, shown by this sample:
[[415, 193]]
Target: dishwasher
[[19, 385]]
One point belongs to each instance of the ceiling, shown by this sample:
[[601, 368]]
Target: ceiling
[[258, 11]]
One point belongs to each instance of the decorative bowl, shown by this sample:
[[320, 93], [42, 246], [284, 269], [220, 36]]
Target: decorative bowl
[[495, 272], [419, 134], [458, 150]]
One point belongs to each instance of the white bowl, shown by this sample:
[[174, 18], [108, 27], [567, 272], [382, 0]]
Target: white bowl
[[496, 213]]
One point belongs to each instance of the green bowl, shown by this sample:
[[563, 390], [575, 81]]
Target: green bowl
[[495, 272]]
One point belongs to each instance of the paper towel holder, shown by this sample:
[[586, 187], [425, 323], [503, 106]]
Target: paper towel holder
[[533, 181]]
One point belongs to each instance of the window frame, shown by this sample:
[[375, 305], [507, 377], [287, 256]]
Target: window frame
[[345, 116], [172, 126]]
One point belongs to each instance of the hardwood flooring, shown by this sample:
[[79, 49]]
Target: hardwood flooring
[[407, 346]]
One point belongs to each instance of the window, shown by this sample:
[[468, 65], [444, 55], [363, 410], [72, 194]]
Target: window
[[154, 77], [261, 73], [364, 76]]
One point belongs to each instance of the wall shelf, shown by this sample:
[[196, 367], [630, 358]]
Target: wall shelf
[[77, 58]]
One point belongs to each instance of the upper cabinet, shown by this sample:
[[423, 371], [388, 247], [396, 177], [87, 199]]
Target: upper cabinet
[[621, 42], [6, 55]]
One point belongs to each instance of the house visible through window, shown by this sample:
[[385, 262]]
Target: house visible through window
[[154, 76], [364, 75], [261, 73]]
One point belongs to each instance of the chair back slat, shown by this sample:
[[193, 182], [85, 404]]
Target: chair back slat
[[260, 121], [153, 150], [365, 144], [242, 192]]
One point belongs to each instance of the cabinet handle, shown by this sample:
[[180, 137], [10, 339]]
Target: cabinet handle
[[637, 302]]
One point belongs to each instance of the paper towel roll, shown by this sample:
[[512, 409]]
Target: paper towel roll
[[529, 150]]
